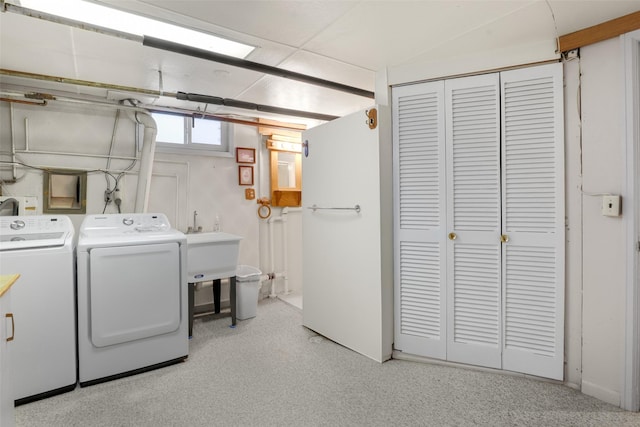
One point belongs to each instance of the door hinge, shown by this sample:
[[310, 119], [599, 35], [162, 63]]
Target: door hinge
[[372, 118]]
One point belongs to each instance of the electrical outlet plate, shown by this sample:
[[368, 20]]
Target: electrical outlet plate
[[611, 205]]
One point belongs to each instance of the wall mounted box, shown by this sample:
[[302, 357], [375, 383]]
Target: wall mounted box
[[611, 205]]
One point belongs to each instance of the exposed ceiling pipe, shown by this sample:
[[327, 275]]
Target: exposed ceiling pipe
[[191, 51], [247, 121], [20, 101], [207, 99], [178, 95], [254, 66]]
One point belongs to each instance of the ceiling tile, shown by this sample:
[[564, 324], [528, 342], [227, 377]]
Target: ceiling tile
[[377, 34], [329, 69], [291, 23], [571, 16], [301, 96]]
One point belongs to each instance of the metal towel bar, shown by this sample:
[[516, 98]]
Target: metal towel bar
[[317, 208]]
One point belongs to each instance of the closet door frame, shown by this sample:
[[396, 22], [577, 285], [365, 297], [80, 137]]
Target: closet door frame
[[630, 395], [446, 347]]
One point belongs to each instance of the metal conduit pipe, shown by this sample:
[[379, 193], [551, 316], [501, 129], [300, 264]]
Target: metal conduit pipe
[[216, 100], [254, 66], [207, 99], [190, 51]]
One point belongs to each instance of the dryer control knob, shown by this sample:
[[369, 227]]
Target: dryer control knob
[[127, 221]]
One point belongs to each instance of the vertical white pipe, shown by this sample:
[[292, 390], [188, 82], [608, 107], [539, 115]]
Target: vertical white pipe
[[285, 238], [146, 158], [14, 168], [271, 258]]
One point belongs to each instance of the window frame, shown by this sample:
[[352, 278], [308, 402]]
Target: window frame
[[225, 149]]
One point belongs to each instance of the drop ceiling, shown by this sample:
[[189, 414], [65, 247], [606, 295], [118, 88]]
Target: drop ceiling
[[343, 41]]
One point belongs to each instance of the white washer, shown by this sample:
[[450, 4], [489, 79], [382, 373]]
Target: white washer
[[132, 295], [41, 249]]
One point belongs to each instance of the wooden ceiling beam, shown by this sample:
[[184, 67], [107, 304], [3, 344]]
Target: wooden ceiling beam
[[600, 32]]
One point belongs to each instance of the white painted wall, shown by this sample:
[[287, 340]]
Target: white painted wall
[[604, 238]]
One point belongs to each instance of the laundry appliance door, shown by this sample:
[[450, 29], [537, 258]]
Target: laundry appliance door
[[134, 292]]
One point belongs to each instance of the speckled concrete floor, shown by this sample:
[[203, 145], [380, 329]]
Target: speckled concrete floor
[[270, 371]]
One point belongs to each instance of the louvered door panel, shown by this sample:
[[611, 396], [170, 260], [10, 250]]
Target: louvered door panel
[[418, 132], [420, 290], [530, 305], [419, 183], [533, 219], [475, 294], [473, 216]]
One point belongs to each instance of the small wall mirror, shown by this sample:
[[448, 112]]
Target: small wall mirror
[[286, 169], [286, 178], [64, 192]]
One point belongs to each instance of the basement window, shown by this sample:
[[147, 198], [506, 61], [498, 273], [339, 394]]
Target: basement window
[[181, 134]]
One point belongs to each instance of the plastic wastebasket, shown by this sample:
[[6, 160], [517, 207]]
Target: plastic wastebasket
[[247, 291]]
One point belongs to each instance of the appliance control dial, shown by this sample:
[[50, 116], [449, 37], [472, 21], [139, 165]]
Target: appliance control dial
[[17, 225]]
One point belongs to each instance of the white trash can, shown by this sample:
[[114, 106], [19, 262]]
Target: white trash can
[[247, 291]]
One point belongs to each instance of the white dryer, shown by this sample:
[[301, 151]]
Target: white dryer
[[41, 249], [132, 295]]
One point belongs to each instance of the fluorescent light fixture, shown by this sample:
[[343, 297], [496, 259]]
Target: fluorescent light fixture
[[102, 16]]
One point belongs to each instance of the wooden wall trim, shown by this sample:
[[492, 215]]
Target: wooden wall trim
[[600, 32]]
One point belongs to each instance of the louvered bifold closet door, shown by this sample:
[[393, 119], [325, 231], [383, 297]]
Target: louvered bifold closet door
[[473, 220], [533, 220], [419, 219]]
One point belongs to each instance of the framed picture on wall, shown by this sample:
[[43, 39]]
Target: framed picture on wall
[[245, 155], [245, 175]]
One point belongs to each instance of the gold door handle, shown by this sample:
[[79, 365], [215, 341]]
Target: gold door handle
[[13, 326], [504, 238], [453, 236]]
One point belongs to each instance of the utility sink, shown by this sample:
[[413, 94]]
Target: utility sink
[[211, 256]]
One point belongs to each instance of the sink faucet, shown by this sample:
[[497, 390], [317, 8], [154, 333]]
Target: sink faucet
[[195, 228]]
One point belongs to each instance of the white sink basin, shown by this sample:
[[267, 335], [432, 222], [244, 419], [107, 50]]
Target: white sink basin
[[211, 256]]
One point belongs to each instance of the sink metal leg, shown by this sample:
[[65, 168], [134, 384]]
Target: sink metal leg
[[191, 304], [216, 295], [232, 297]]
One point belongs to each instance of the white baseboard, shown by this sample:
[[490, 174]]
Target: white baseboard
[[601, 393]]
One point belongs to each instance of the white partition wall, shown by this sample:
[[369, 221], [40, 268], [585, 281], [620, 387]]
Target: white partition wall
[[346, 233]]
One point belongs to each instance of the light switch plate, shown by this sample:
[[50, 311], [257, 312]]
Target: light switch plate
[[611, 205]]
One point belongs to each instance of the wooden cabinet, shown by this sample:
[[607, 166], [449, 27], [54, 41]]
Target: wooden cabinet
[[7, 329]]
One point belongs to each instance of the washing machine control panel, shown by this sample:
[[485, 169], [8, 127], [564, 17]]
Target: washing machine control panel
[[34, 224], [125, 223], [34, 231]]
